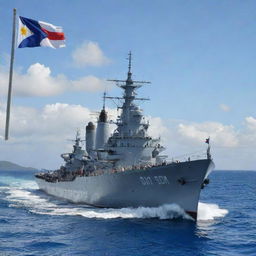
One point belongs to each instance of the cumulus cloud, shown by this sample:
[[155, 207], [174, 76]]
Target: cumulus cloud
[[232, 147], [38, 81], [39, 136], [89, 54], [158, 128], [250, 123], [224, 107], [248, 138], [54, 119], [221, 135]]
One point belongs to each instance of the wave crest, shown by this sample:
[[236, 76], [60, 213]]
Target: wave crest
[[168, 211]]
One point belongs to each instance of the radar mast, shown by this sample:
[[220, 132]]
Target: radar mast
[[128, 85]]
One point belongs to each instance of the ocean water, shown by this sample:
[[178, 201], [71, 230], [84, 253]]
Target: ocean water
[[33, 223]]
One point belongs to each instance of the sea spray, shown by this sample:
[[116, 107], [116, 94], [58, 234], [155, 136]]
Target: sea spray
[[210, 211], [170, 211]]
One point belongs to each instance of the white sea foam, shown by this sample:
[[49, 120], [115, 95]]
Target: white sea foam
[[163, 212], [23, 198], [210, 211], [19, 183]]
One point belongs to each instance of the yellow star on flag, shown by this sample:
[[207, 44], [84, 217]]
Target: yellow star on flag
[[23, 31]]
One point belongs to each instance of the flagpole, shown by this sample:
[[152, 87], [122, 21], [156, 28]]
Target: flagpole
[[10, 77]]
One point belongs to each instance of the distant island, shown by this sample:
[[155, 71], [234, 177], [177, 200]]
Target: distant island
[[9, 166]]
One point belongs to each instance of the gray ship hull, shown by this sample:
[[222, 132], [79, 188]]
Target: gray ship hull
[[178, 183]]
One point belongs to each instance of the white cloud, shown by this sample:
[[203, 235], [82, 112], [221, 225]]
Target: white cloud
[[251, 123], [158, 128], [38, 81], [89, 54], [224, 107], [221, 135], [53, 120], [38, 137], [248, 138], [232, 148]]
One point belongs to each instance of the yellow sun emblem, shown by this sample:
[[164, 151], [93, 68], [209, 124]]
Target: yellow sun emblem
[[23, 31]]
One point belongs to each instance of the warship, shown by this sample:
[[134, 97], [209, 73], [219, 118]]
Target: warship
[[126, 168]]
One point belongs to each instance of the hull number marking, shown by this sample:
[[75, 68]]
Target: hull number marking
[[160, 180]]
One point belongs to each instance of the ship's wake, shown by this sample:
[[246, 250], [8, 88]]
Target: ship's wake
[[26, 195]]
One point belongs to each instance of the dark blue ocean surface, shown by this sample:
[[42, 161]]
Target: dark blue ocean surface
[[32, 223]]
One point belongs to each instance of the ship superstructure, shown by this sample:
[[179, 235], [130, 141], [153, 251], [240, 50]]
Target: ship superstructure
[[130, 143], [126, 169]]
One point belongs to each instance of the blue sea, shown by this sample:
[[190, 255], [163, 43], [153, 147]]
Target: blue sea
[[33, 223]]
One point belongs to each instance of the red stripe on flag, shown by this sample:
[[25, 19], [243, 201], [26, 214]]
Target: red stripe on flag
[[54, 35]]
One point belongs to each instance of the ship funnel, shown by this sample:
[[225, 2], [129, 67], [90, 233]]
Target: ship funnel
[[90, 137], [103, 116], [102, 132]]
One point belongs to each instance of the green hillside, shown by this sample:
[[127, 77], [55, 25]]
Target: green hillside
[[9, 166]]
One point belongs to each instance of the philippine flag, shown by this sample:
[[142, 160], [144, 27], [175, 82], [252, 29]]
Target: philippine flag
[[34, 33]]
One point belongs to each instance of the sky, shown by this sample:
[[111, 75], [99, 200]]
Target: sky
[[199, 55]]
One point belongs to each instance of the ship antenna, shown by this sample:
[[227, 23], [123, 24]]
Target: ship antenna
[[104, 99], [130, 62], [129, 78]]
